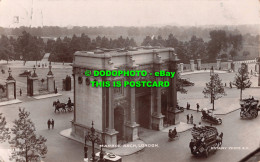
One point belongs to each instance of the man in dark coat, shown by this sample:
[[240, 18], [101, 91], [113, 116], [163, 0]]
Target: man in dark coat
[[49, 123], [52, 123], [188, 106], [188, 117], [20, 92], [191, 119], [198, 107]]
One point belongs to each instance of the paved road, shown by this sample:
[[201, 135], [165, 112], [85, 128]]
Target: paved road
[[59, 148], [237, 133]]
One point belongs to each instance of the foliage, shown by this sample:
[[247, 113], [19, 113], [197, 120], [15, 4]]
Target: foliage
[[214, 88], [246, 53], [63, 49], [28, 147], [4, 131], [242, 80], [6, 48], [29, 47], [220, 41]]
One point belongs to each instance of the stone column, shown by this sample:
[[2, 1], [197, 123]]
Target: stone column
[[229, 64], [172, 91], [199, 64], [181, 67], [10, 86], [131, 127], [50, 80], [34, 81], [218, 64], [258, 68], [192, 65], [157, 118], [111, 133]]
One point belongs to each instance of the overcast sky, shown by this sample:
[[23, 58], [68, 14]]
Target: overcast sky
[[128, 12]]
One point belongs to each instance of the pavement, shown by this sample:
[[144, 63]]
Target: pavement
[[237, 132], [30, 64], [4, 155], [202, 71], [47, 96], [181, 127], [15, 101], [122, 150]]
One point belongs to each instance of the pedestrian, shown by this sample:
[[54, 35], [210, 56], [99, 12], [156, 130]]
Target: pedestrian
[[49, 123], [225, 84], [198, 107], [52, 123], [251, 72], [191, 119], [230, 84], [188, 106], [20, 92], [199, 125], [188, 117]]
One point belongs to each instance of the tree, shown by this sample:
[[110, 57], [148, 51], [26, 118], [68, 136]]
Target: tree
[[6, 49], [242, 79], [233, 53], [214, 88], [246, 53], [29, 47], [218, 42], [4, 131], [28, 147]]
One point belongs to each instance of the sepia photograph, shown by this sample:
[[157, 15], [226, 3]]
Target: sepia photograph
[[129, 80]]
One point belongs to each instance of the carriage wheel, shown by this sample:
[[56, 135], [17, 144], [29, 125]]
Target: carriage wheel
[[219, 143], [241, 114], [255, 114]]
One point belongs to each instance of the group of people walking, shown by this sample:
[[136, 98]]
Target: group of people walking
[[50, 123], [197, 105]]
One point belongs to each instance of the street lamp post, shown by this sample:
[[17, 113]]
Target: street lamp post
[[93, 138], [211, 75]]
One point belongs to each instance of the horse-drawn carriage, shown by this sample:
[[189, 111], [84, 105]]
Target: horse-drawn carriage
[[206, 116], [63, 106], [205, 140], [249, 108]]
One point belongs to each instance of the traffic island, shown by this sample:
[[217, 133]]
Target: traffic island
[[121, 150], [180, 127]]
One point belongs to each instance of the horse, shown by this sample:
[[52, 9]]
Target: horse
[[59, 106]]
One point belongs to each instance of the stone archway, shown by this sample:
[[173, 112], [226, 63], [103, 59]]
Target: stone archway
[[119, 119]]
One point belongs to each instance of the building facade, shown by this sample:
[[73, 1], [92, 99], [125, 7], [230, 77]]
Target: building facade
[[117, 112]]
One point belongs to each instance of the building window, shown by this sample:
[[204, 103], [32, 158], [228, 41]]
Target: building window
[[80, 80]]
